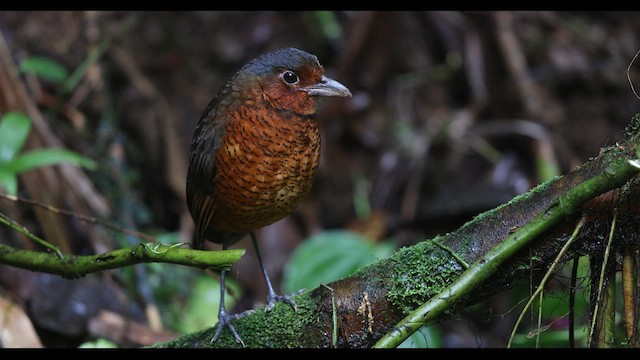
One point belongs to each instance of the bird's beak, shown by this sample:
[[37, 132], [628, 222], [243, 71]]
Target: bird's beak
[[328, 87]]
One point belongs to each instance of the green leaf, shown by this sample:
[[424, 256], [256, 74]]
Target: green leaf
[[8, 181], [168, 237], [204, 302], [426, 337], [329, 25], [44, 157], [14, 128], [45, 68], [329, 256], [98, 344]]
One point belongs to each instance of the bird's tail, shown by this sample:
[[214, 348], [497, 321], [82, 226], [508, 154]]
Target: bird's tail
[[202, 212]]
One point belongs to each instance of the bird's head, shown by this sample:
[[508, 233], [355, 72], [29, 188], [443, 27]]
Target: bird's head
[[288, 79]]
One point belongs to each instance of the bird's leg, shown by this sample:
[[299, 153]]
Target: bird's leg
[[224, 318], [272, 297]]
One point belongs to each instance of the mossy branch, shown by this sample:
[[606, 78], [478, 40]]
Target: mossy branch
[[499, 245], [617, 174], [71, 267]]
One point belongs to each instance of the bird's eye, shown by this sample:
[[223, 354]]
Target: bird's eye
[[290, 77]]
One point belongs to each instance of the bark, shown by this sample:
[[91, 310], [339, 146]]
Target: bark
[[367, 305]]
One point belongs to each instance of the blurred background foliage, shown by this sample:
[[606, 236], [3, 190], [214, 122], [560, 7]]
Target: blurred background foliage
[[453, 113]]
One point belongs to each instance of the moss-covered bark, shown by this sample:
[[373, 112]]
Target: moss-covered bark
[[368, 304]]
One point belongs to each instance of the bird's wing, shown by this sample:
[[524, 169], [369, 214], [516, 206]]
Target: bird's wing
[[201, 177]]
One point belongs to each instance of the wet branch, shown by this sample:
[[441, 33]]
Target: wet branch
[[502, 245], [71, 267]]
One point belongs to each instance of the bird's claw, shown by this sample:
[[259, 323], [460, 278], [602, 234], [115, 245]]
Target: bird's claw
[[224, 319], [272, 298]]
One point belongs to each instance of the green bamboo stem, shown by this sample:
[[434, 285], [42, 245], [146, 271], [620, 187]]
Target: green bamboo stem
[[616, 175]]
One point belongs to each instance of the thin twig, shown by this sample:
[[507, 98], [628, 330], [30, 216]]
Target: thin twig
[[607, 250], [334, 316], [540, 303], [96, 53], [23, 230], [572, 301], [543, 282], [81, 217], [451, 252], [629, 74]]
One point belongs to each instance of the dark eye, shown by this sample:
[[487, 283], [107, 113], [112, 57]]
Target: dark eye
[[290, 77]]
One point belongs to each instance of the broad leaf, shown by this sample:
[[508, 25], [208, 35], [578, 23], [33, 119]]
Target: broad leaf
[[329, 256], [45, 68], [426, 337], [202, 310], [98, 344], [8, 181], [14, 128], [44, 157]]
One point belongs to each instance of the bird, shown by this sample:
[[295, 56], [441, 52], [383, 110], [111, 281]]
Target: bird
[[255, 154]]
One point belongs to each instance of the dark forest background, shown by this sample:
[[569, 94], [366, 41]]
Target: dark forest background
[[453, 113]]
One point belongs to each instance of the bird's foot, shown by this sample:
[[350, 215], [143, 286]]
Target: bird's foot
[[224, 319], [272, 298]]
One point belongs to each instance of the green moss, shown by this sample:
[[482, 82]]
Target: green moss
[[424, 270], [495, 213], [255, 329], [633, 128]]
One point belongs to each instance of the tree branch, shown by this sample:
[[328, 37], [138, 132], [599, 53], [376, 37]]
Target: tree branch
[[368, 304], [73, 267]]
